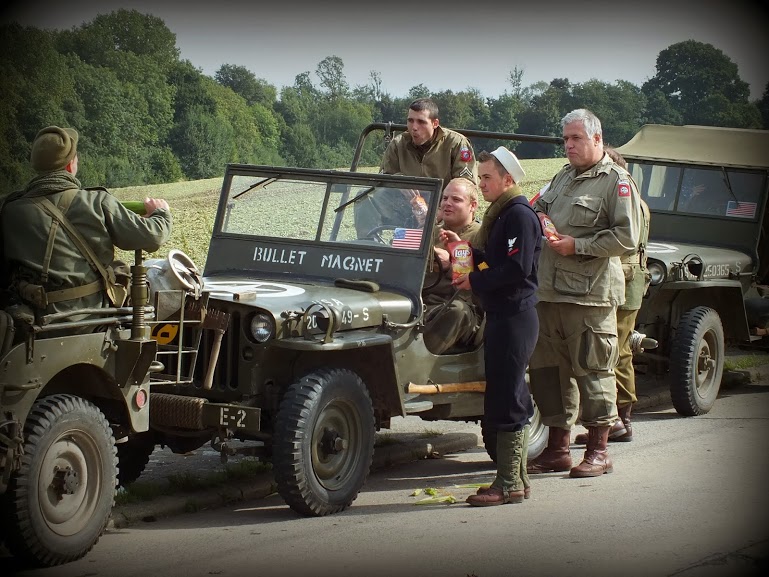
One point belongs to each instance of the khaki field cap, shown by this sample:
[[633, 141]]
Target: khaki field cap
[[53, 148], [511, 164]]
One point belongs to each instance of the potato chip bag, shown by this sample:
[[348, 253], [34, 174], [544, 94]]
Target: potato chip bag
[[461, 256]]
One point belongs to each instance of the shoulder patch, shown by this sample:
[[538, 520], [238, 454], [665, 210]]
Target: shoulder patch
[[623, 187], [466, 172], [465, 154]]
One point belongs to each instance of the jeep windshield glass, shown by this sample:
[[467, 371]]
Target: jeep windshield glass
[[303, 209], [713, 191]]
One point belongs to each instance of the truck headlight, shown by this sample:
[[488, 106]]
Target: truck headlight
[[657, 271], [262, 327]]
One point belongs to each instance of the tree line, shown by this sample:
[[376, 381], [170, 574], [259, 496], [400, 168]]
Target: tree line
[[146, 116]]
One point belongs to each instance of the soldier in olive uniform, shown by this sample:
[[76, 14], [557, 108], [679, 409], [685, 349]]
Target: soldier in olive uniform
[[455, 323], [43, 264], [637, 279], [425, 149], [597, 215]]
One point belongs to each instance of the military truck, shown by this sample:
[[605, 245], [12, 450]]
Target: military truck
[[708, 250]]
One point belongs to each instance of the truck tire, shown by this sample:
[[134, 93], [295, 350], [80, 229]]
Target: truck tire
[[696, 361], [133, 456], [323, 442], [537, 437], [59, 501]]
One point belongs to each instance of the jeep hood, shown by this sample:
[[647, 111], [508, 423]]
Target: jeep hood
[[355, 308], [717, 262]]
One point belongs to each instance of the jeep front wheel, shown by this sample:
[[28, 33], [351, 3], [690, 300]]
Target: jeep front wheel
[[59, 501], [323, 442], [696, 361]]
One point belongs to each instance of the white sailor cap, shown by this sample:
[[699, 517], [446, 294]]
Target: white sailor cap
[[511, 164]]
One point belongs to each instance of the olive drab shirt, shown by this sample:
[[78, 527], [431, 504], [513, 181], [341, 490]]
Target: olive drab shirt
[[448, 155], [637, 276], [601, 209], [97, 215]]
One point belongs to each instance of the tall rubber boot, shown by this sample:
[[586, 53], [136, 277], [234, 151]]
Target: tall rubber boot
[[596, 461], [556, 456], [507, 486], [525, 462]]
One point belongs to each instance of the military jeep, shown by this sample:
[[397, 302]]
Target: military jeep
[[75, 411], [708, 250], [324, 332]]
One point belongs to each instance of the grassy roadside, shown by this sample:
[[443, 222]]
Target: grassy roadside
[[186, 482]]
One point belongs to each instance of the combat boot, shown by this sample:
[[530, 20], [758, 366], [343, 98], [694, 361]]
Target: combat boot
[[507, 486], [556, 456], [621, 430], [596, 461]]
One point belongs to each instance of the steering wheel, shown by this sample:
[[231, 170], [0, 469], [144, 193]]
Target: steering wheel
[[376, 233], [184, 270], [432, 278]]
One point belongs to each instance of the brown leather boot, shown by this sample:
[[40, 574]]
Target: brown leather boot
[[596, 461], [556, 456], [507, 486], [624, 415], [618, 432]]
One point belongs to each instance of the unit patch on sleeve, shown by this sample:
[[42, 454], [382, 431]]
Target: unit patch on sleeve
[[623, 187], [465, 154]]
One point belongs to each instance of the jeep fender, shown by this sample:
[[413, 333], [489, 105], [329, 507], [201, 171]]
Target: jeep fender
[[80, 365], [370, 355], [722, 295]]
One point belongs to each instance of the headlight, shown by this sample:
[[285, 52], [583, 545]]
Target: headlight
[[657, 270], [262, 327]]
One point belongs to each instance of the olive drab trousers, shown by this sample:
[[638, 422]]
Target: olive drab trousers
[[624, 371], [571, 372]]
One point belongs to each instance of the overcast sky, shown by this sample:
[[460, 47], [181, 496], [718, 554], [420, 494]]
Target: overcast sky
[[447, 44]]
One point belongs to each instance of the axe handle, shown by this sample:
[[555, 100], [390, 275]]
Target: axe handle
[[217, 345]]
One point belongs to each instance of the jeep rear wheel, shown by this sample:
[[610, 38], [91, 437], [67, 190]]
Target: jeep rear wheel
[[323, 442], [696, 361], [60, 500], [537, 437]]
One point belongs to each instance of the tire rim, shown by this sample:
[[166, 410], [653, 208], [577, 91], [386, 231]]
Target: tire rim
[[335, 441], [536, 428], [705, 364], [69, 483]]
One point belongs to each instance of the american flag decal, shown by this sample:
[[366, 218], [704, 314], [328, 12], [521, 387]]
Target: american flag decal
[[741, 209], [407, 237]]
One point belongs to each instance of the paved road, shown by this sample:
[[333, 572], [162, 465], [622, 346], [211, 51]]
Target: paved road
[[688, 497]]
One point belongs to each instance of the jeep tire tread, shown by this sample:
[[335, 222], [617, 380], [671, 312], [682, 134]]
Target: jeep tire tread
[[133, 456], [59, 501], [696, 361], [323, 442]]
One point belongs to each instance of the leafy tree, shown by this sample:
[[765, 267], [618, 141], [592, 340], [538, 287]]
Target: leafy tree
[[763, 107], [620, 107], [690, 72], [126, 31], [330, 70], [37, 90], [418, 91], [659, 110], [245, 83], [202, 143]]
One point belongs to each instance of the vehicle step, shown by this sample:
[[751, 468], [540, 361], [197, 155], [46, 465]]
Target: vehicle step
[[417, 406]]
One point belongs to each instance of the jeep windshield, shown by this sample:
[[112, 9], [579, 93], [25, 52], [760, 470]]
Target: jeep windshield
[[320, 224]]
